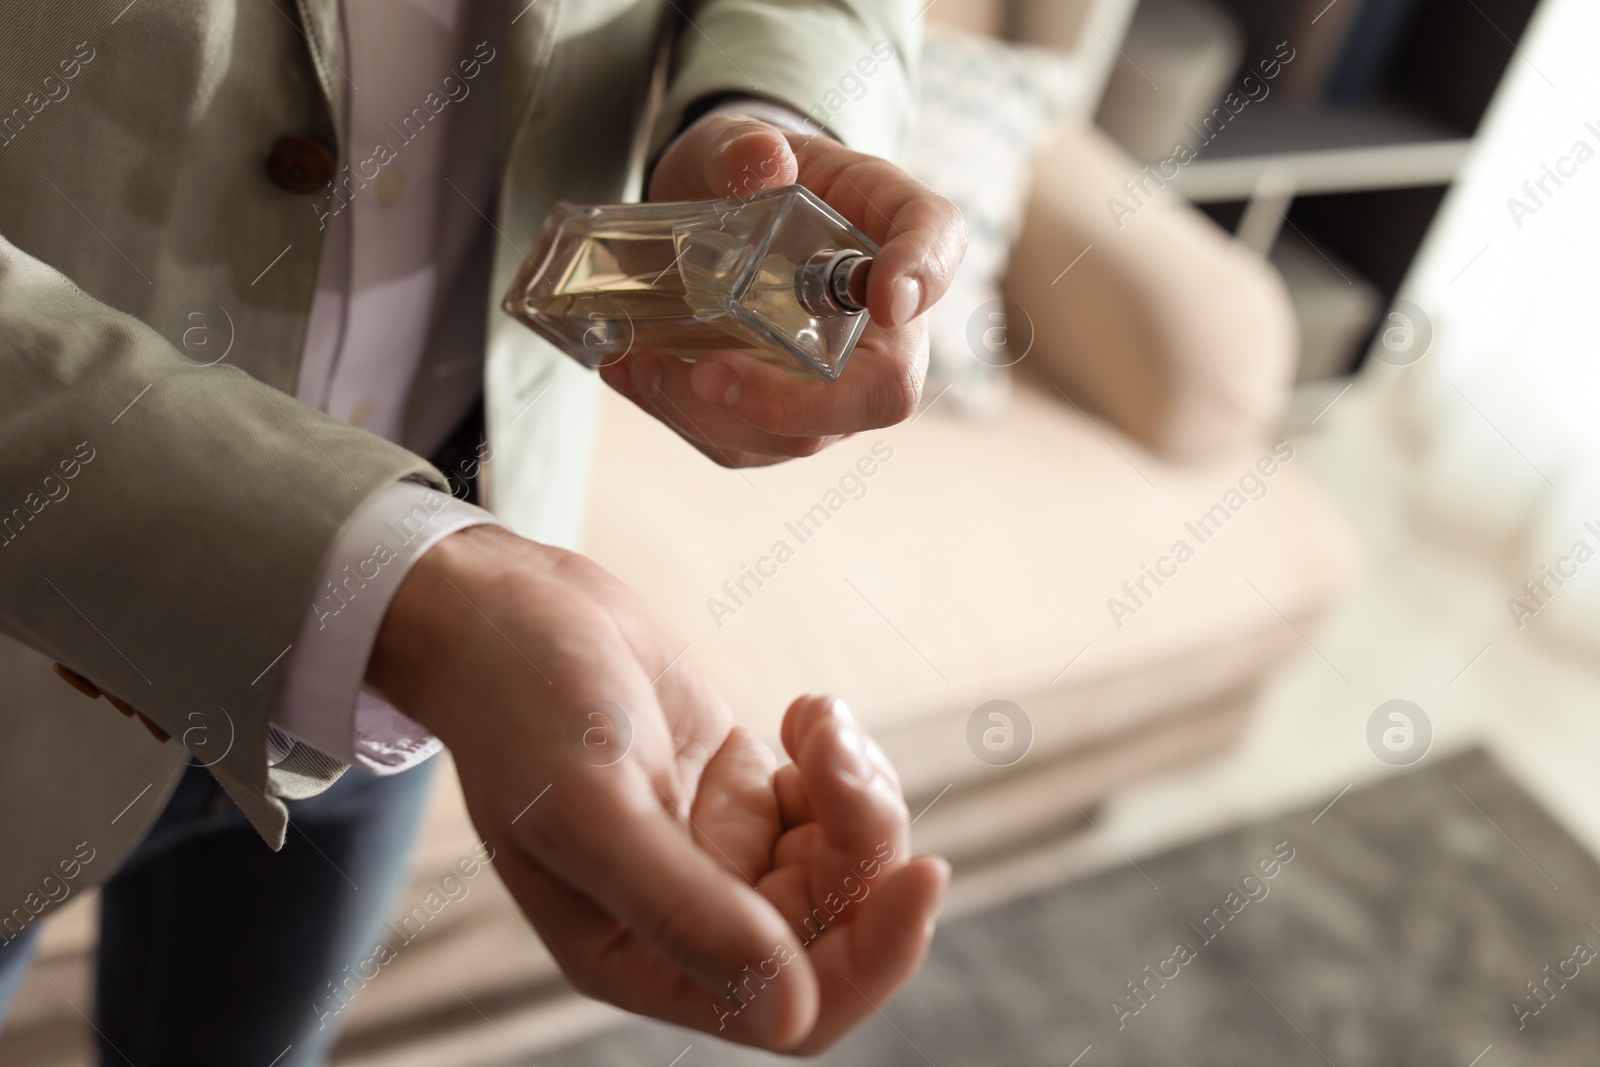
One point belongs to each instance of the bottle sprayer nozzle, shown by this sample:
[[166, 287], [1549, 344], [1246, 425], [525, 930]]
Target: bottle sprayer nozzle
[[834, 282]]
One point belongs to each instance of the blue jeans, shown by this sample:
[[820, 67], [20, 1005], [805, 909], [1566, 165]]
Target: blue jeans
[[216, 950]]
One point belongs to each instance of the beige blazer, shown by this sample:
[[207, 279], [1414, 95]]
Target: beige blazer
[[161, 522]]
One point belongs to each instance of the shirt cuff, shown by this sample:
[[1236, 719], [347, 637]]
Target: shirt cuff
[[326, 705]]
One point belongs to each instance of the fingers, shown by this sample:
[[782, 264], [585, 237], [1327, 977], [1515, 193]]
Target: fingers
[[921, 233], [861, 961], [666, 387], [741, 411], [796, 846], [798, 720], [789, 890], [852, 788], [860, 966], [605, 960], [689, 905], [808, 714], [741, 403], [845, 881], [880, 386], [735, 813], [914, 267], [724, 156], [793, 805]]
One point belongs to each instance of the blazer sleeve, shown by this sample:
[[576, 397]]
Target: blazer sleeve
[[162, 524], [848, 65]]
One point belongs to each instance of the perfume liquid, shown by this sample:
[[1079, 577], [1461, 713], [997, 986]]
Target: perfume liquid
[[780, 276]]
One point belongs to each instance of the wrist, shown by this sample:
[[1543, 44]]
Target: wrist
[[435, 616]]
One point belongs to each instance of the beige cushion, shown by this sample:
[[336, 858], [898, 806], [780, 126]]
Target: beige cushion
[[975, 565], [1166, 325]]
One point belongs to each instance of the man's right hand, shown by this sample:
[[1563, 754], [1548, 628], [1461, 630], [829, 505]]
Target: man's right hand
[[690, 879]]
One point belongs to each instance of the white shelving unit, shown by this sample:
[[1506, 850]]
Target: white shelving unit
[[1271, 154], [1354, 158]]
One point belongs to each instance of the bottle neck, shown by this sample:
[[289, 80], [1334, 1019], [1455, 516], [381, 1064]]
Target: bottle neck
[[834, 282]]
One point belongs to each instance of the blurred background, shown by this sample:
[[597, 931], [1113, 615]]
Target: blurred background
[[1228, 606]]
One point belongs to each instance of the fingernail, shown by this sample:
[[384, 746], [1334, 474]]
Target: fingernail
[[715, 383], [864, 741], [905, 299], [853, 758]]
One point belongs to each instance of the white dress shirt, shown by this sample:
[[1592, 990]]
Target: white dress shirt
[[369, 322]]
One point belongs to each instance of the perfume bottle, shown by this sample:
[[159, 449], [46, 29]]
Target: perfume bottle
[[780, 276]]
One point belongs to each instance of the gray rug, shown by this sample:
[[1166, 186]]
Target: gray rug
[[1402, 931]]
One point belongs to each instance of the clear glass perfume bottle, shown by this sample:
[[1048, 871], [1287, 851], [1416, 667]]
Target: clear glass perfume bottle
[[781, 276]]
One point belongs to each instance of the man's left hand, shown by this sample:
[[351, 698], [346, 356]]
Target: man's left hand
[[742, 412]]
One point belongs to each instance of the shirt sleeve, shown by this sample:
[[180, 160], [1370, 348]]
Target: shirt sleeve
[[326, 705], [799, 52]]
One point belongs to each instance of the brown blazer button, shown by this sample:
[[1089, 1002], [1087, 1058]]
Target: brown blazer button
[[94, 692], [78, 681], [300, 165]]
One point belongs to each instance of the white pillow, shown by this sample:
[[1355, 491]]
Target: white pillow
[[987, 110]]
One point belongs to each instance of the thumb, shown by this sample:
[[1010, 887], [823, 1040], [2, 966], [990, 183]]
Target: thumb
[[730, 156], [691, 909]]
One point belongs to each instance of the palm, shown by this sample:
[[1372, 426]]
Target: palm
[[691, 864]]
